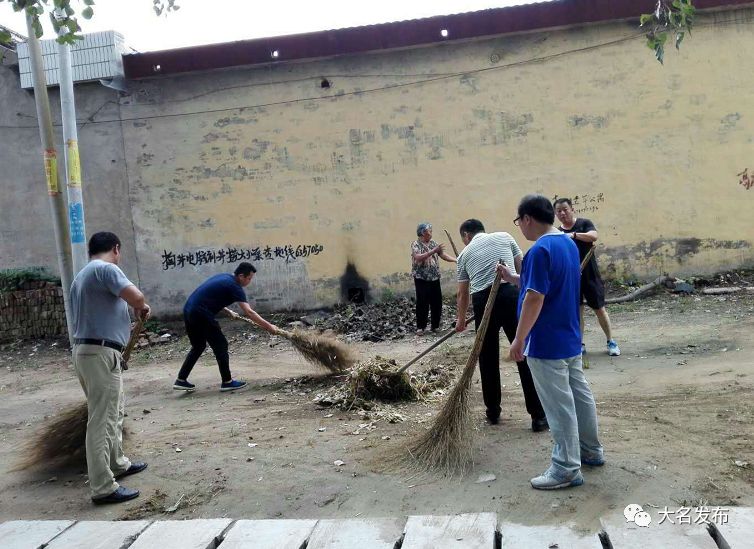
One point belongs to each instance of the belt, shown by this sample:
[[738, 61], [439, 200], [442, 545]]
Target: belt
[[101, 342]]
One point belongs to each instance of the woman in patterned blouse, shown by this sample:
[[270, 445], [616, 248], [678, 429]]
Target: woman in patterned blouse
[[425, 269]]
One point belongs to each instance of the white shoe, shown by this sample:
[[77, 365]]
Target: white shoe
[[612, 348], [548, 482]]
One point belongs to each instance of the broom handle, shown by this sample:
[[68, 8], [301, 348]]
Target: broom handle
[[435, 344], [452, 245], [482, 330], [232, 314], [587, 257], [135, 331]]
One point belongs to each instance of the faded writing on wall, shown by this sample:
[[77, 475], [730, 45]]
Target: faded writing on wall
[[172, 260], [745, 179], [585, 202]]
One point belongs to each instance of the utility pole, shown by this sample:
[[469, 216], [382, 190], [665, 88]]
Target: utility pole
[[57, 203], [72, 163]]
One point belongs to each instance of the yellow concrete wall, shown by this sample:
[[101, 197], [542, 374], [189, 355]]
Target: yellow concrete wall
[[653, 151]]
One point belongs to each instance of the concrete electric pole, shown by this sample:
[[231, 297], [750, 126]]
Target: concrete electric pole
[[73, 166], [57, 203]]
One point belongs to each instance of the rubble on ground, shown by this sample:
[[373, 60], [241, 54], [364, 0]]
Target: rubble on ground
[[385, 320], [148, 337]]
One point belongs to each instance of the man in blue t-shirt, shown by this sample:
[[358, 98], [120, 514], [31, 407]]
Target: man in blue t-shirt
[[216, 293], [549, 336]]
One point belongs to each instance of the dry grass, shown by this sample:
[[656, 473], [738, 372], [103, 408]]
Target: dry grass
[[376, 380]]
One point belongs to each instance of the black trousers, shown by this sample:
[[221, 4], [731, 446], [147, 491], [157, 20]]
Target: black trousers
[[202, 330], [504, 315], [428, 297]]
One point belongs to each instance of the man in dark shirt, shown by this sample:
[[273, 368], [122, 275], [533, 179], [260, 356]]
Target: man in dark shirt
[[584, 234], [199, 313]]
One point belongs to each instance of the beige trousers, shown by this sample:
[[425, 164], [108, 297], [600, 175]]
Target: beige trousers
[[99, 371]]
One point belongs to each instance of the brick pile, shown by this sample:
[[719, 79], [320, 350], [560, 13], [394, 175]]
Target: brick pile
[[35, 311]]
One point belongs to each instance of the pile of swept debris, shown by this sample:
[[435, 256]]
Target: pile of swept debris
[[375, 380], [148, 337], [385, 320]]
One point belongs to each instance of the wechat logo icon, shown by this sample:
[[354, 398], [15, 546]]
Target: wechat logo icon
[[634, 513]]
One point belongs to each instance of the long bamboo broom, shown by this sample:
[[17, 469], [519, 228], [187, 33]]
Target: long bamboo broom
[[452, 244], [446, 447], [317, 349], [62, 441]]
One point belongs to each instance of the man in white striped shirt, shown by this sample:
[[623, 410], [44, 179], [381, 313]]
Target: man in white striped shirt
[[476, 268]]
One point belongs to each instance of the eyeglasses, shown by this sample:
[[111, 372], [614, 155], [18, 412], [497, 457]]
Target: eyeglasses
[[517, 221]]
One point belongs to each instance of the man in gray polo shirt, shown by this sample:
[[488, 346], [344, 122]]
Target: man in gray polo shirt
[[477, 265], [100, 296]]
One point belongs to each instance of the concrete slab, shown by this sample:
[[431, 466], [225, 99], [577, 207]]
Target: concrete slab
[[356, 533], [268, 534], [470, 531], [545, 537], [628, 535], [99, 534], [738, 531], [30, 534], [181, 534]]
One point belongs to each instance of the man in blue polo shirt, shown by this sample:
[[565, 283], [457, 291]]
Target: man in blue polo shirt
[[216, 293], [549, 336]]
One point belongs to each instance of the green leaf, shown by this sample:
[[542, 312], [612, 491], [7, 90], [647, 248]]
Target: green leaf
[[37, 26], [89, 2], [87, 12], [678, 39], [72, 25], [645, 18], [4, 36], [662, 38], [660, 53]]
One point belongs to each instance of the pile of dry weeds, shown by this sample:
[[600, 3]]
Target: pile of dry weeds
[[375, 380]]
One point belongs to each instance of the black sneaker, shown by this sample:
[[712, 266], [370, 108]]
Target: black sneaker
[[119, 496], [232, 385], [181, 385], [539, 424], [493, 418]]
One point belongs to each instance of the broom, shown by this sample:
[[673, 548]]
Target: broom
[[317, 349], [63, 440], [447, 445], [452, 244]]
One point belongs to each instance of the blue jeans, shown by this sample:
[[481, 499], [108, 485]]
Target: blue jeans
[[571, 413]]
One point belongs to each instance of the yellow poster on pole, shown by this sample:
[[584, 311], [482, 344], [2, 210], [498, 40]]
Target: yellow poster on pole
[[74, 165], [51, 171]]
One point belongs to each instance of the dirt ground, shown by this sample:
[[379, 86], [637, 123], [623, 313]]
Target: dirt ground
[[676, 413]]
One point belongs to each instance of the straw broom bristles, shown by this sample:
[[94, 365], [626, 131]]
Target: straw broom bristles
[[320, 350], [446, 447], [317, 349], [63, 441]]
